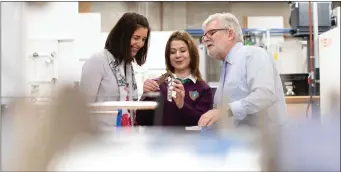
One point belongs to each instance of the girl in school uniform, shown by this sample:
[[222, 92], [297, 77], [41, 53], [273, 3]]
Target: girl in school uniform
[[193, 95]]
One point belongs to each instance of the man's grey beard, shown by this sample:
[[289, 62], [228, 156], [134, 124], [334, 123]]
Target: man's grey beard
[[214, 55]]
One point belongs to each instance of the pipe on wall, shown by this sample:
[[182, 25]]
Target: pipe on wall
[[316, 33], [311, 65], [161, 15], [147, 9], [313, 51]]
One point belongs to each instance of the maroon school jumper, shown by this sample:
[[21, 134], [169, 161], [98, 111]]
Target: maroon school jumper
[[198, 100]]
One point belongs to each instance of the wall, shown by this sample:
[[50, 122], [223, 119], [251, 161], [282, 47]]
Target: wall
[[110, 12], [12, 50], [50, 26], [29, 27], [51, 20], [241, 9], [336, 4], [12, 70], [182, 15]]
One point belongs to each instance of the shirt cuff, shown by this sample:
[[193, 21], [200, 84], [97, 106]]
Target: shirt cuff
[[238, 112]]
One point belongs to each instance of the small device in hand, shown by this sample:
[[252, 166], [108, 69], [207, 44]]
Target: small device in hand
[[169, 78]]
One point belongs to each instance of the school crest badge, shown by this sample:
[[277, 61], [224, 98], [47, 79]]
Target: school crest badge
[[193, 95]]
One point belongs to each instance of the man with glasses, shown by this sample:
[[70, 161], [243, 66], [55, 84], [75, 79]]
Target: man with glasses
[[249, 85]]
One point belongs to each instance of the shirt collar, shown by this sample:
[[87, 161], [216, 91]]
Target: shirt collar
[[233, 51], [191, 77]]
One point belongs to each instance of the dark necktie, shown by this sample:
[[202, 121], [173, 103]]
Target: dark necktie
[[224, 72], [184, 81]]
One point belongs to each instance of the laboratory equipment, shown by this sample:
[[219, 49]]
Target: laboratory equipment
[[329, 52], [299, 18], [295, 84]]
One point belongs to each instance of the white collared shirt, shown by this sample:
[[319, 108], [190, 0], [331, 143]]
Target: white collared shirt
[[191, 77]]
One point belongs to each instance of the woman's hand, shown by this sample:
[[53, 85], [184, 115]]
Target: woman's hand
[[180, 94], [150, 85]]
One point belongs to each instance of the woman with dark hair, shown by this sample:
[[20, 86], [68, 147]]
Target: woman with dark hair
[[193, 95], [109, 74]]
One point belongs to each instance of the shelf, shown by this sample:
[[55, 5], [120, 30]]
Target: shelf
[[273, 31]]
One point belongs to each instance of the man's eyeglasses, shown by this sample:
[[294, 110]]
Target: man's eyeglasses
[[210, 33]]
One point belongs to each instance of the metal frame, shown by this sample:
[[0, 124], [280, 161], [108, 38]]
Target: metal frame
[[278, 31], [273, 31]]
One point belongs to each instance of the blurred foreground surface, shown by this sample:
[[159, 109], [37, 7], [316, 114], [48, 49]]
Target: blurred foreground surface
[[61, 137]]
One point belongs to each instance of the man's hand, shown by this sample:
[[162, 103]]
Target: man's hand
[[150, 86], [180, 94], [209, 118]]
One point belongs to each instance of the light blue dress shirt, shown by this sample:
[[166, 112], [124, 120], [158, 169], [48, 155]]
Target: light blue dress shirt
[[250, 85]]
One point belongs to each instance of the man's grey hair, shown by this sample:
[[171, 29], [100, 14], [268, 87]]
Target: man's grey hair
[[228, 21]]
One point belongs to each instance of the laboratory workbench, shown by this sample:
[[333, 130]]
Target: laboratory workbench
[[297, 106], [300, 99]]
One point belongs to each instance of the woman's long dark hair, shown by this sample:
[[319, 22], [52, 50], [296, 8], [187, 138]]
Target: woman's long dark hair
[[118, 41]]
